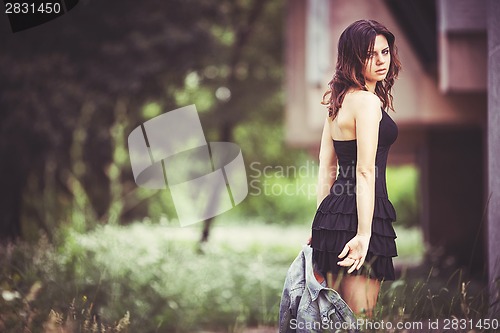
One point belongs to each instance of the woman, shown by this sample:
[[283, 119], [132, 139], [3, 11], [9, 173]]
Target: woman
[[352, 234]]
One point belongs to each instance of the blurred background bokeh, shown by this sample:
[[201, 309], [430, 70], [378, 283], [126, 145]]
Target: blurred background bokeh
[[84, 249]]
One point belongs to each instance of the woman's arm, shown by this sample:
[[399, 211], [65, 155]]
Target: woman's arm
[[367, 117], [367, 126], [327, 172]]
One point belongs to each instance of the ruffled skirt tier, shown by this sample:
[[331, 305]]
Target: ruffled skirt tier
[[336, 222]]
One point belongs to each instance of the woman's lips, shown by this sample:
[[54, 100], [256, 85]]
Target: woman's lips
[[381, 71]]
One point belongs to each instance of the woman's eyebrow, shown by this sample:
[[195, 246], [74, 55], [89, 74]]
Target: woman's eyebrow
[[385, 48]]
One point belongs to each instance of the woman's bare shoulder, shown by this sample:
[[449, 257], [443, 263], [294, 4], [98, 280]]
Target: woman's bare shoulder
[[363, 97], [362, 101]]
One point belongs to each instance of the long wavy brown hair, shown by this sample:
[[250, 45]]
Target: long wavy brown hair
[[355, 45]]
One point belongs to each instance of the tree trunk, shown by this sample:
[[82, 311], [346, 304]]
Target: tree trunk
[[226, 128], [12, 182]]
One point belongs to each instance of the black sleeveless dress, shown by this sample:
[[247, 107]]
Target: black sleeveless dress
[[336, 220]]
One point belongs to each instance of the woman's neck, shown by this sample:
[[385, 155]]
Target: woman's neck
[[371, 86]]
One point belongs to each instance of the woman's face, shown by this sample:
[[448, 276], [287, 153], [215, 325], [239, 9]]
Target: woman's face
[[377, 64]]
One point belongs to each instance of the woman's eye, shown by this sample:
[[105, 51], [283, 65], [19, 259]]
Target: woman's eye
[[385, 52]]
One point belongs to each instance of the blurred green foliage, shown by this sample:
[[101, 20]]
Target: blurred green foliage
[[154, 273], [69, 110], [159, 278], [402, 186]]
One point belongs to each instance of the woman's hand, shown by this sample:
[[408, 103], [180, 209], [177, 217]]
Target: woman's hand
[[355, 250]]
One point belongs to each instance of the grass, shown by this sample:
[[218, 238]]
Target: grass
[[151, 278]]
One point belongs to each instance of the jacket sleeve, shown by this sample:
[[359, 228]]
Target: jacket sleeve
[[291, 296], [285, 312], [288, 310]]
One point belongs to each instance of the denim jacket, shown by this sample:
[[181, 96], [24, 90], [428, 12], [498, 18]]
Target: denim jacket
[[308, 306]]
